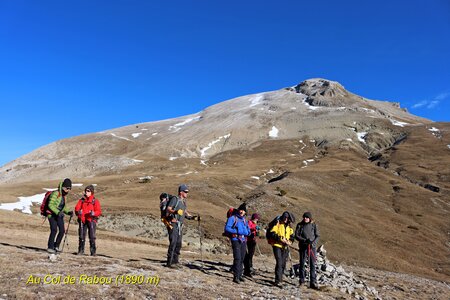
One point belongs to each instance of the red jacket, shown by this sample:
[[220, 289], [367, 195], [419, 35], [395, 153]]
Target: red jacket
[[85, 206], [253, 231]]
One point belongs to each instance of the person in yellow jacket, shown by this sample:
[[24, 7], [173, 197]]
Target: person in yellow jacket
[[280, 236]]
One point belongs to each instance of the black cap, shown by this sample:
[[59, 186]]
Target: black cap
[[67, 183], [243, 207], [290, 216], [163, 196], [307, 215]]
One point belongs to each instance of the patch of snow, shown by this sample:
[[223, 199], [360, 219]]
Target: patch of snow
[[255, 177], [24, 203], [203, 150], [203, 162], [49, 190], [304, 146], [120, 137], [398, 123], [145, 177], [137, 160], [77, 184], [361, 136], [434, 129], [256, 100], [135, 135], [274, 132], [270, 171], [309, 106], [154, 133], [173, 158], [368, 110], [178, 126], [349, 139], [293, 108], [448, 146], [312, 141]]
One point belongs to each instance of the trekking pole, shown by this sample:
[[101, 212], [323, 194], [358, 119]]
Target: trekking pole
[[65, 234], [201, 241], [264, 261], [291, 271]]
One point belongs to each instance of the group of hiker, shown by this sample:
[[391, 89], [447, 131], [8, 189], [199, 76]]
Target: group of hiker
[[243, 237], [280, 235], [242, 233], [87, 210]]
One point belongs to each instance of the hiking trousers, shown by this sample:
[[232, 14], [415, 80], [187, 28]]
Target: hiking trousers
[[308, 256], [239, 248], [248, 259], [87, 227], [56, 227], [175, 239], [281, 255]]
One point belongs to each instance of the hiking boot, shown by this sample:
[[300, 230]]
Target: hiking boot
[[249, 275], [50, 250], [301, 283], [93, 250], [314, 286], [241, 279], [57, 249], [278, 284], [236, 280]]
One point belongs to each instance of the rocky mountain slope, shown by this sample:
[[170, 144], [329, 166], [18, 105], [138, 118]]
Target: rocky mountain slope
[[376, 178]]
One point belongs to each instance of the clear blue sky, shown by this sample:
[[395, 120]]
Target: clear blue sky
[[74, 67]]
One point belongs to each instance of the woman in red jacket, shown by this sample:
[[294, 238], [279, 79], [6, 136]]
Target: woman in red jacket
[[88, 210]]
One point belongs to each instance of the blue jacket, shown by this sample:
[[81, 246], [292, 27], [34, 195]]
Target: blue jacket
[[237, 227]]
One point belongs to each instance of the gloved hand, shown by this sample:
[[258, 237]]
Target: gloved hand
[[180, 212], [70, 213], [92, 213], [61, 213]]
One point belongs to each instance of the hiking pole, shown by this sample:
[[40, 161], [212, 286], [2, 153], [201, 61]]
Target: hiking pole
[[291, 271], [260, 254], [65, 234], [201, 241]]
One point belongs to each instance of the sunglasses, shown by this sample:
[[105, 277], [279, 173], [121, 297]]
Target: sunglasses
[[186, 192], [88, 191], [67, 188]]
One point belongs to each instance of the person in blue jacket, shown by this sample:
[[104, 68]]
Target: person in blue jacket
[[237, 230]]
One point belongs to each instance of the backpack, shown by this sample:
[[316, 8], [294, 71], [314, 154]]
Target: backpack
[[44, 205], [163, 203], [270, 236]]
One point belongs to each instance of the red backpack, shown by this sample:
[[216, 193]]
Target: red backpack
[[44, 205]]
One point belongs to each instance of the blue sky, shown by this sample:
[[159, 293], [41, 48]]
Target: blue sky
[[74, 67]]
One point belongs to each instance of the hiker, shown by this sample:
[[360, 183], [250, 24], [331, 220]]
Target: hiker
[[57, 208], [307, 235], [237, 230], [251, 244], [176, 213], [88, 210], [281, 236]]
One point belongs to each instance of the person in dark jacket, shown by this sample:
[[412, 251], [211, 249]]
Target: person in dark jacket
[[88, 210], [307, 235], [237, 230], [251, 244], [176, 213], [57, 208]]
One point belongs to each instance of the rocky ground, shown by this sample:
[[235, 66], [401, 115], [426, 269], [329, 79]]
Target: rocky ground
[[132, 268]]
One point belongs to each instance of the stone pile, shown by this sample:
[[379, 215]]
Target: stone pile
[[336, 277]]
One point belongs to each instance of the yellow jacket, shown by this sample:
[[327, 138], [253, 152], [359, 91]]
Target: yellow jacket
[[281, 230]]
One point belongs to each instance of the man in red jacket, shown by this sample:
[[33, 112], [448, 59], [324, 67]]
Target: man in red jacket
[[88, 210]]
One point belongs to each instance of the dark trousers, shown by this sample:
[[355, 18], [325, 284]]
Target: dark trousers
[[175, 239], [56, 226], [281, 255], [83, 228], [309, 254], [238, 257], [248, 259]]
